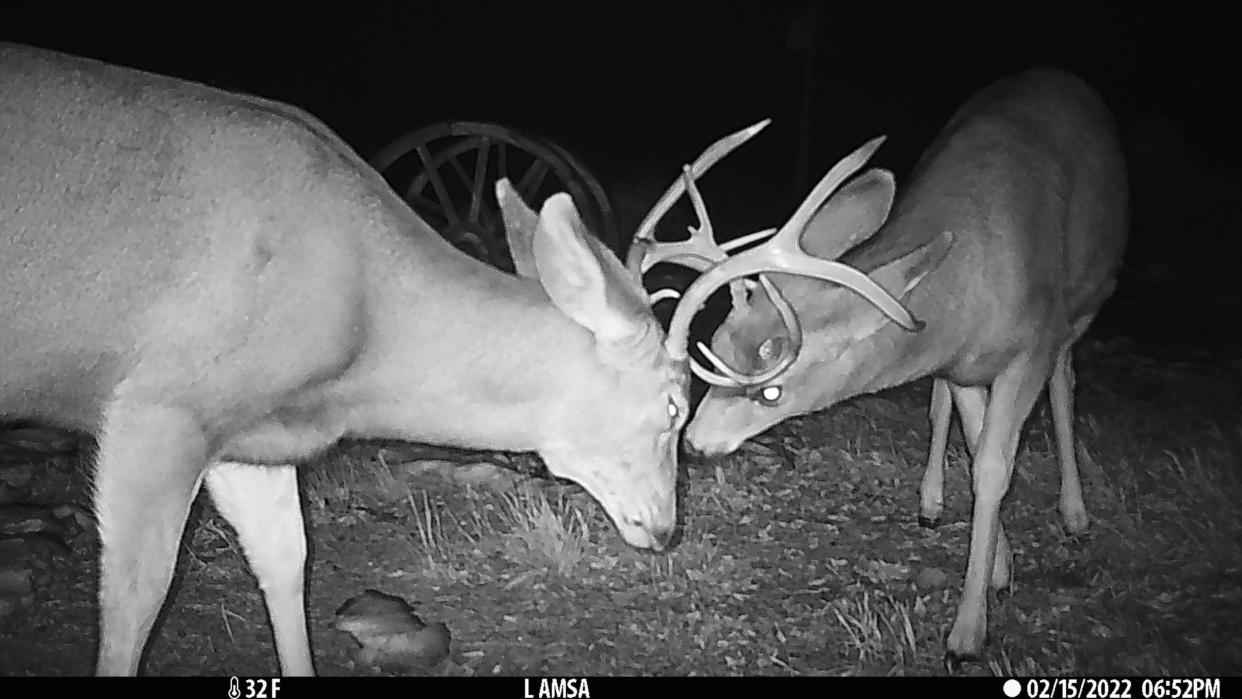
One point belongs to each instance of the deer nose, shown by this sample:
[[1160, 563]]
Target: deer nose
[[708, 450], [658, 534], [702, 443], [662, 535]]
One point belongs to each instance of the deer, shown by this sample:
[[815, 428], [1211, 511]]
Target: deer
[[217, 288], [1002, 247]]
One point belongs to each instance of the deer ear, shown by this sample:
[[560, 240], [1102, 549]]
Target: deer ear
[[520, 223], [851, 215], [907, 271], [900, 277], [583, 278]]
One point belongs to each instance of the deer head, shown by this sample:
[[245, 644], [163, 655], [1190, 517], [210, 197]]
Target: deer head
[[611, 418], [844, 334], [760, 346]]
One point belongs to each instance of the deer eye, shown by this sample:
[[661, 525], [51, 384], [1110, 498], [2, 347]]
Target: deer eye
[[771, 395], [769, 349]]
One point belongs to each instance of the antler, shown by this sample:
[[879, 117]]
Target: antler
[[700, 250], [782, 253]]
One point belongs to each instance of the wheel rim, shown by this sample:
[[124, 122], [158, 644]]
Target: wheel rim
[[447, 173]]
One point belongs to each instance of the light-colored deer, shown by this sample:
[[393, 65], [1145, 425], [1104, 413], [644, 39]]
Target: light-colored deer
[[216, 287], [1003, 246]]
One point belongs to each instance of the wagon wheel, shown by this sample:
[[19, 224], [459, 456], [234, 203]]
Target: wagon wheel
[[447, 173]]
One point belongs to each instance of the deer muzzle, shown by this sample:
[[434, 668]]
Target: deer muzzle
[[644, 512], [721, 424], [705, 444]]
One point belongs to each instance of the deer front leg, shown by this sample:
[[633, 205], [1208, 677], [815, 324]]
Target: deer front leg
[[148, 471], [972, 403], [261, 503], [1010, 401], [931, 491]]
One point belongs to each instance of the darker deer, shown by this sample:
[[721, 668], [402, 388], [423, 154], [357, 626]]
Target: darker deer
[[1003, 247]]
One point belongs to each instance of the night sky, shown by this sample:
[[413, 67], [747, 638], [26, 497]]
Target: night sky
[[635, 89]]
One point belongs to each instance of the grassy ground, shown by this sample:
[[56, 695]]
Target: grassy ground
[[798, 555]]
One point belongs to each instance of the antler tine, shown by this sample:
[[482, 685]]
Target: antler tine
[[784, 253], [644, 242], [825, 188], [700, 250], [731, 245], [661, 294]]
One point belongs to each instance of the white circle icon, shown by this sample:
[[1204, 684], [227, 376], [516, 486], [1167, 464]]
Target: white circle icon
[[1012, 688]]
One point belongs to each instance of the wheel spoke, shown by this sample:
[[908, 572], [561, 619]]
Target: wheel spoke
[[532, 180], [488, 219], [421, 203], [499, 152], [446, 203], [480, 178], [462, 175], [414, 194]]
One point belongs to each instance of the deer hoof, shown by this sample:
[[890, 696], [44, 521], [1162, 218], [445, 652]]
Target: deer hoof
[[953, 661], [1076, 526]]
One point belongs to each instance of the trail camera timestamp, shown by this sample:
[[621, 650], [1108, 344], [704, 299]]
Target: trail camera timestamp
[[1119, 688]]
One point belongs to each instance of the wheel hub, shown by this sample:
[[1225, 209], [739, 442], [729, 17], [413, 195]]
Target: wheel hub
[[477, 241]]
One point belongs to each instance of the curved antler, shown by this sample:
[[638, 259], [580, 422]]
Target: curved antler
[[700, 250], [782, 253]]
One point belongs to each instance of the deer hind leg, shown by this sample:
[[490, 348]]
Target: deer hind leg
[[148, 472], [931, 491], [261, 503], [1061, 395], [972, 404], [1013, 395]]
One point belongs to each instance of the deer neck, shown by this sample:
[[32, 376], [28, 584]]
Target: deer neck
[[464, 354], [890, 355]]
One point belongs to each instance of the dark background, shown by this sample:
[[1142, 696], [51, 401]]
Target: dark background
[[635, 89]]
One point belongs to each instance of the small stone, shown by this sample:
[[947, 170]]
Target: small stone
[[932, 578], [390, 634], [16, 581]]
